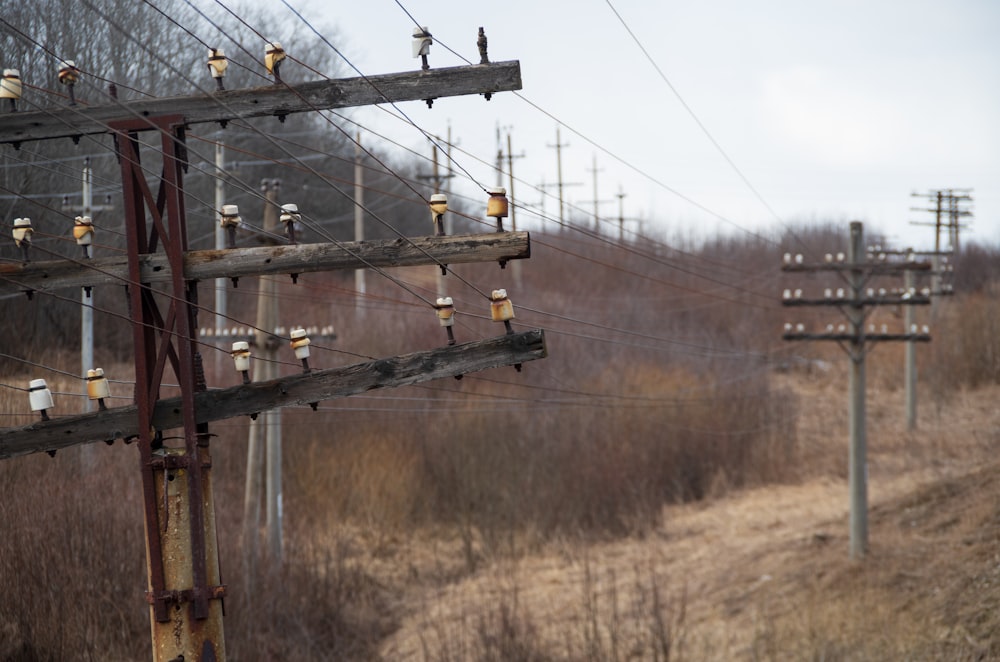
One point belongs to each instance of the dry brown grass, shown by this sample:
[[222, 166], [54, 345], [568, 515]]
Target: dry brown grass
[[763, 574], [695, 511]]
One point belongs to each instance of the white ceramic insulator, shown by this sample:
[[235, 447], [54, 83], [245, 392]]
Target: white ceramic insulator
[[39, 395]]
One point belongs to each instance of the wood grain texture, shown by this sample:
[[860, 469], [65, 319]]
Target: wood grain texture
[[297, 390], [276, 100], [269, 260]]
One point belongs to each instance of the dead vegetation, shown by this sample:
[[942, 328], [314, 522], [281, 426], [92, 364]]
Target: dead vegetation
[[625, 499]]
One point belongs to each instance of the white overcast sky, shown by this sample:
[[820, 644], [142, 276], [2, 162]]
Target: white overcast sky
[[832, 110]]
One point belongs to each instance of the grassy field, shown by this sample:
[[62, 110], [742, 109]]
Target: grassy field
[[762, 573], [625, 499]]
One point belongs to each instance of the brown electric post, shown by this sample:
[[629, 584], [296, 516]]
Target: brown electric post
[[856, 269]]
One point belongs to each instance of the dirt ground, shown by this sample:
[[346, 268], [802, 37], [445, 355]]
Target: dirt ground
[[755, 574]]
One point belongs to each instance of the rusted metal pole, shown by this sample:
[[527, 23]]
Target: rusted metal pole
[[184, 587], [179, 634]]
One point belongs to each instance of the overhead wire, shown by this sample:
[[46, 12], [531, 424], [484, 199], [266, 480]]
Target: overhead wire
[[378, 270], [312, 170], [595, 236], [607, 151], [299, 15], [726, 284]]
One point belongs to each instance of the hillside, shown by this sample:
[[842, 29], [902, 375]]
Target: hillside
[[760, 574], [670, 483]]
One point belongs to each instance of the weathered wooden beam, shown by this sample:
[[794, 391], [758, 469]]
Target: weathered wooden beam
[[872, 268], [270, 260], [302, 389], [867, 337], [893, 300], [276, 100]]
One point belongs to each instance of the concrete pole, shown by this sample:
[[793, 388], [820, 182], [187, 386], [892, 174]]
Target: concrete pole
[[562, 216], [359, 222], [510, 188], [936, 260], [265, 432], [436, 178], [910, 370], [86, 301], [597, 220], [449, 223], [253, 488], [220, 241], [621, 215], [857, 456], [514, 266], [268, 321], [499, 157]]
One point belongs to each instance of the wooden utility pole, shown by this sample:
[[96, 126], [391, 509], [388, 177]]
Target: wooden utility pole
[[856, 270], [185, 588]]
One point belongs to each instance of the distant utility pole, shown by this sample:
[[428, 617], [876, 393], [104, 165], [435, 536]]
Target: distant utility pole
[[499, 165], [359, 221], [950, 202], [956, 199], [436, 178], [910, 285], [910, 366], [220, 238], [510, 178], [449, 223], [265, 429], [597, 201], [559, 175], [87, 208], [621, 215], [856, 270]]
